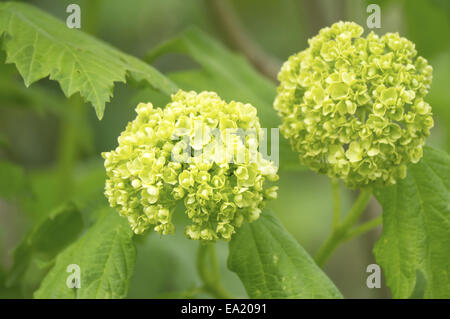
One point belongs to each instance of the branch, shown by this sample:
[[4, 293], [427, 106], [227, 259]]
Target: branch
[[338, 234], [235, 33], [315, 15], [210, 277], [363, 228], [336, 203]]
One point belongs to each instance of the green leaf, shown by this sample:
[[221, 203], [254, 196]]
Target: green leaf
[[13, 181], [41, 45], [416, 228], [271, 264], [231, 76], [106, 256], [57, 230]]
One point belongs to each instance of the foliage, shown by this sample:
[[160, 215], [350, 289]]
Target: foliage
[[108, 254], [416, 219], [40, 46], [64, 224], [63, 215], [271, 264]]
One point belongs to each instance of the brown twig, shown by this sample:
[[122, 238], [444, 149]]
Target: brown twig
[[238, 37], [316, 16]]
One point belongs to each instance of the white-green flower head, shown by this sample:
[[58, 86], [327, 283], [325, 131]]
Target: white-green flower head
[[353, 107], [150, 171]]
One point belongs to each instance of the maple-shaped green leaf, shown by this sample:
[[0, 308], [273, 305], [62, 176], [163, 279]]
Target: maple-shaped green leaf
[[416, 229], [41, 45]]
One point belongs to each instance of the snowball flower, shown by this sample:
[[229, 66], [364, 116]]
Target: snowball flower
[[353, 107], [191, 152]]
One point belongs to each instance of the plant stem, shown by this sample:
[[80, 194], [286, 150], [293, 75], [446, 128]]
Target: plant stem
[[68, 149], [338, 234], [210, 277], [367, 226], [357, 209], [336, 203]]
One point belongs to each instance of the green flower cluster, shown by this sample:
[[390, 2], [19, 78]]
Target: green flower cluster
[[353, 107], [178, 154]]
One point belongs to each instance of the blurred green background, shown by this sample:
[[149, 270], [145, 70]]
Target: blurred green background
[[58, 141]]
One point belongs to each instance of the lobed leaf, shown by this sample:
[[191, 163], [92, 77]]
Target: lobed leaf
[[41, 45]]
